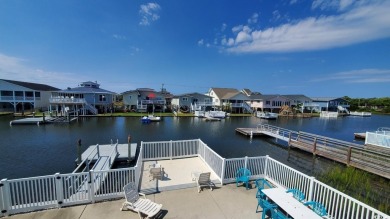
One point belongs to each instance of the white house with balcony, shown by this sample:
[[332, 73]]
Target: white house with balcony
[[87, 98], [19, 96], [230, 99], [145, 100]]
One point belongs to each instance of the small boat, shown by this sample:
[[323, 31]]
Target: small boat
[[215, 114], [363, 114], [266, 115], [150, 118]]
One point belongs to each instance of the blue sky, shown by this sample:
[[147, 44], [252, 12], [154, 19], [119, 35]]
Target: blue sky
[[319, 48]]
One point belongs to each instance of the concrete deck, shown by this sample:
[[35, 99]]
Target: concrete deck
[[228, 201], [177, 175]]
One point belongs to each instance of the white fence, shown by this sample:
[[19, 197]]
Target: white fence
[[381, 138], [37, 193]]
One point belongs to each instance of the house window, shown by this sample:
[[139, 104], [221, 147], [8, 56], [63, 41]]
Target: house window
[[129, 97], [207, 100], [267, 102], [37, 94], [185, 99], [6, 93], [102, 98]]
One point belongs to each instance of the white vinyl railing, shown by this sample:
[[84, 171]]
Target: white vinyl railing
[[37, 193], [378, 138]]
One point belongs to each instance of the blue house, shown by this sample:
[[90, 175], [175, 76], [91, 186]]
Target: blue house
[[87, 98]]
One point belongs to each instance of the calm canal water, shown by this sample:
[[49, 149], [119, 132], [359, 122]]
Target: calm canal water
[[30, 150]]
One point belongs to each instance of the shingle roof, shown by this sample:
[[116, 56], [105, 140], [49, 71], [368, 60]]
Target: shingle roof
[[33, 86], [325, 99], [222, 92]]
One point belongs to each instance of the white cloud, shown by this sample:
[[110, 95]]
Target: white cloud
[[223, 28], [119, 37], [13, 68], [359, 76], [244, 35], [293, 2], [201, 42], [149, 13], [361, 23], [253, 19]]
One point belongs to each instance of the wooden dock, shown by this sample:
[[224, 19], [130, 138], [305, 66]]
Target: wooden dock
[[351, 154]]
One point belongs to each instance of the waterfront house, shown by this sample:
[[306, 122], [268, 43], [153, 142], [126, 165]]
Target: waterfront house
[[272, 103], [87, 98], [145, 100], [331, 104], [255, 99], [301, 102], [229, 99], [19, 96], [192, 101]]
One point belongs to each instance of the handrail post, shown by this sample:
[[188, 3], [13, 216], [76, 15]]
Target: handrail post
[[59, 189], [314, 146], [223, 170], [246, 162], [266, 166], [6, 194], [349, 155], [91, 186], [97, 150], [170, 149], [310, 197]]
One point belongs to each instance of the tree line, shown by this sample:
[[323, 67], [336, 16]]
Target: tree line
[[380, 105]]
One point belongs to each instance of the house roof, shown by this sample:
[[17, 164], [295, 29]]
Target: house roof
[[32, 86], [225, 93], [190, 95], [325, 99], [297, 96], [86, 90]]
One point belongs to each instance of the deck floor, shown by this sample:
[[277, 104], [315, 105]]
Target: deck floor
[[177, 174]]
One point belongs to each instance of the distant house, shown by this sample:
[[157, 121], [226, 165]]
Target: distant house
[[192, 101], [88, 97], [301, 102], [273, 103], [331, 104], [145, 100], [18, 96], [255, 99], [230, 99]]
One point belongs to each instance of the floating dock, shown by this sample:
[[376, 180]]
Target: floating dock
[[41, 120]]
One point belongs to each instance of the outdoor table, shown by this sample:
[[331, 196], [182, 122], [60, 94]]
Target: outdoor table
[[289, 204]]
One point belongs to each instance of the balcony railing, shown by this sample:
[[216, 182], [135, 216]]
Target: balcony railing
[[66, 100], [38, 193]]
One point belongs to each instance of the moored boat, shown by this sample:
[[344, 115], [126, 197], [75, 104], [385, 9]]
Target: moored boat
[[266, 115]]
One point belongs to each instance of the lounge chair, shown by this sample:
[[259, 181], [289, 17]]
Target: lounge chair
[[142, 206], [204, 181], [243, 176]]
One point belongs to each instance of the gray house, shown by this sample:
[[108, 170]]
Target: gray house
[[145, 100], [88, 97], [192, 101], [19, 96]]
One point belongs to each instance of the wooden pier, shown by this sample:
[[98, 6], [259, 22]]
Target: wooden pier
[[351, 154]]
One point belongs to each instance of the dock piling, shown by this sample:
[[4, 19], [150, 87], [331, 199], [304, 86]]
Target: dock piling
[[129, 147], [79, 152]]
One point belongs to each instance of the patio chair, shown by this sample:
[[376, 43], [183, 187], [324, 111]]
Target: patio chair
[[204, 181], [260, 184], [278, 214], [266, 206], [317, 208], [297, 194], [156, 173], [142, 206], [243, 176]]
